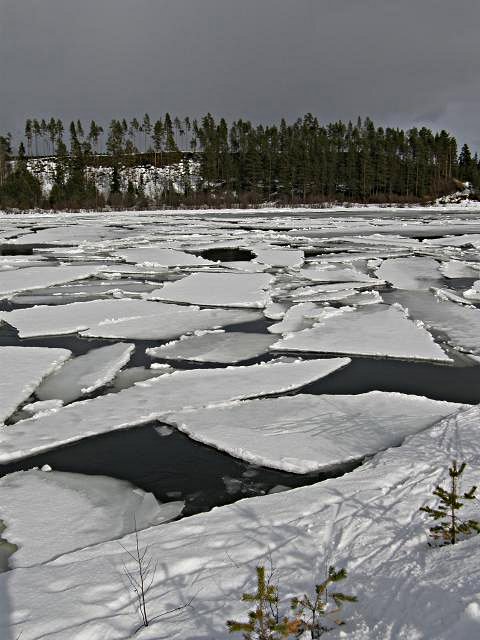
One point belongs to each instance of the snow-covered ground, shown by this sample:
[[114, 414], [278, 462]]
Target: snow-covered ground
[[108, 307]]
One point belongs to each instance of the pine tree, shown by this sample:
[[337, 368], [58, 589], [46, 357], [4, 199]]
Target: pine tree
[[451, 525]]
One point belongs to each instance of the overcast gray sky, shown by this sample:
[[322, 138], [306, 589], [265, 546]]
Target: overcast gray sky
[[406, 62]]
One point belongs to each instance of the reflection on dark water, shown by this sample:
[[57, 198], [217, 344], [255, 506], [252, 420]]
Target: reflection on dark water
[[172, 467]]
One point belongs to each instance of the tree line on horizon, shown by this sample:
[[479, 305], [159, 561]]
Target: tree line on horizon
[[238, 163]]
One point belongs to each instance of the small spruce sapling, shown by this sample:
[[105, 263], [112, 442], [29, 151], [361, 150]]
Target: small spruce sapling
[[264, 621], [316, 615], [452, 526]]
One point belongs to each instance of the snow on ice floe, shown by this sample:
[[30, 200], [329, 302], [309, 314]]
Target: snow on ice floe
[[161, 257], [279, 257], [458, 325], [330, 273], [173, 321], [218, 346], [410, 273], [23, 369], [299, 317], [154, 398], [86, 509], [473, 294], [366, 521], [459, 269], [218, 289], [128, 377], [307, 433], [378, 331], [30, 278], [125, 318], [85, 374]]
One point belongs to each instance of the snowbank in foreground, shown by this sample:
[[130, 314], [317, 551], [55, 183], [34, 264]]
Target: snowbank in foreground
[[367, 521]]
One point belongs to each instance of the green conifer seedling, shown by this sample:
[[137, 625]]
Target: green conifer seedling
[[451, 526], [317, 614], [263, 621]]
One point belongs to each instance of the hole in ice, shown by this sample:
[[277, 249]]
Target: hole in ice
[[227, 255]]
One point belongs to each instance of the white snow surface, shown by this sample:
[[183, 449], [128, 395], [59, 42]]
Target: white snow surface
[[367, 521], [150, 400], [375, 331], [217, 346], [218, 289], [84, 374], [23, 369], [74, 510], [307, 433]]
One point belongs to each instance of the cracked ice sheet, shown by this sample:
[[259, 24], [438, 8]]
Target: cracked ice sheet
[[84, 374], [150, 400], [30, 278], [218, 290], [366, 521], [160, 257], [23, 369], [86, 509], [410, 273], [306, 433], [227, 348], [124, 318], [459, 269], [378, 331]]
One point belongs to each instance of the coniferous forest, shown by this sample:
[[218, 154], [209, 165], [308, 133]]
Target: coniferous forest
[[237, 164]]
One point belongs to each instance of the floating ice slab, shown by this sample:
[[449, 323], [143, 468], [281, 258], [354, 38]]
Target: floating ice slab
[[159, 257], [279, 257], [377, 331], [86, 509], [84, 374], [410, 273], [173, 321], [459, 269], [330, 273], [473, 294], [298, 317], [128, 377], [38, 277], [227, 348], [305, 433], [459, 325], [77, 316], [22, 370], [150, 400], [218, 290]]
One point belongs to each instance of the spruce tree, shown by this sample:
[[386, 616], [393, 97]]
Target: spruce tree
[[451, 526]]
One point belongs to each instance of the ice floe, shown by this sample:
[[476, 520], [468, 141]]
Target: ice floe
[[161, 257], [154, 398], [218, 289], [86, 509], [218, 346], [85, 374], [378, 331], [23, 369], [410, 273], [306, 433], [38, 277]]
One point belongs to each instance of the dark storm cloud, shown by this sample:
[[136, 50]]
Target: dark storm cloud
[[407, 62]]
